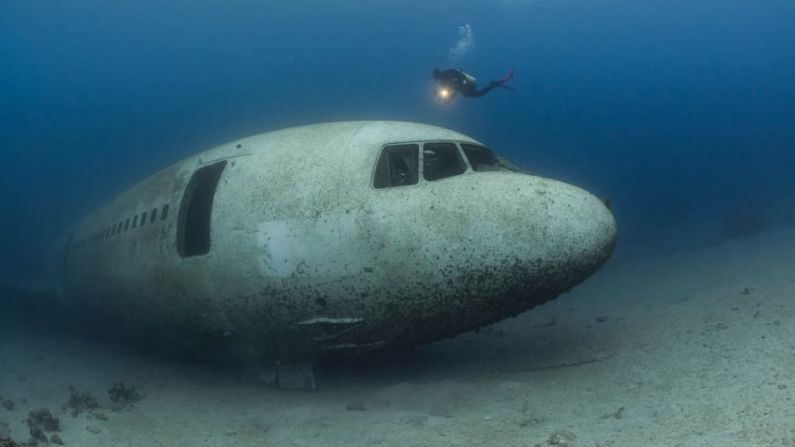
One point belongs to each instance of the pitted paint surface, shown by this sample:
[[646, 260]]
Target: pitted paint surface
[[308, 260]]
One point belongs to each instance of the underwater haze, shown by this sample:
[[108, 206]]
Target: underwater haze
[[681, 113]]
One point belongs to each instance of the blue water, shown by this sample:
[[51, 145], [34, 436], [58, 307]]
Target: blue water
[[681, 112]]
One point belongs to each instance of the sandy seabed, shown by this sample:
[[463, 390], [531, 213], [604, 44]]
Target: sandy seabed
[[691, 349]]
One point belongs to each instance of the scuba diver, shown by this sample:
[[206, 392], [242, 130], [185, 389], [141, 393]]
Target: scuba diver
[[454, 80]]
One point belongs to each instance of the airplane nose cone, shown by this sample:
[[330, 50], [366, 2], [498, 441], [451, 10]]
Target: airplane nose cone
[[545, 237], [580, 231], [489, 246]]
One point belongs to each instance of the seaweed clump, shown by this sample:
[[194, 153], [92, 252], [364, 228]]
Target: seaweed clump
[[123, 396], [7, 403], [80, 401], [5, 435], [40, 422]]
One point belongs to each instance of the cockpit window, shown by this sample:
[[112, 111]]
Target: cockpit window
[[482, 159], [440, 160], [397, 166]]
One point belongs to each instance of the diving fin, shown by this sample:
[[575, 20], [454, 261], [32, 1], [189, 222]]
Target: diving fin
[[506, 78]]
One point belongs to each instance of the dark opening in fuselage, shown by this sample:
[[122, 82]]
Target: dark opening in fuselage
[[195, 211]]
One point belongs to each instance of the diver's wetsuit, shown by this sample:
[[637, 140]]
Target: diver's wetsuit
[[465, 84]]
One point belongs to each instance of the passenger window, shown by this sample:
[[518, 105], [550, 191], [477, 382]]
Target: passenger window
[[153, 216], [482, 159], [143, 218], [397, 166], [440, 160], [164, 213], [135, 221]]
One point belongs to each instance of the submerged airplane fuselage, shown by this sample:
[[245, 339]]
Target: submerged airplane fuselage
[[333, 239]]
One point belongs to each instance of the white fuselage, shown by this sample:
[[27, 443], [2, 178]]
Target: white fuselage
[[279, 245]]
